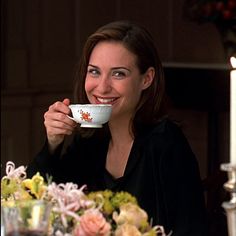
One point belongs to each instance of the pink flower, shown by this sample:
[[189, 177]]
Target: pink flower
[[92, 223]]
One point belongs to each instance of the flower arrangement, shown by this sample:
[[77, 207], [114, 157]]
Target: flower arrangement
[[74, 212], [216, 11]]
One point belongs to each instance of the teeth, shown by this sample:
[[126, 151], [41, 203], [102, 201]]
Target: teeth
[[105, 100]]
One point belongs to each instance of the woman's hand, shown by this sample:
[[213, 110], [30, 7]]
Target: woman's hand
[[57, 123]]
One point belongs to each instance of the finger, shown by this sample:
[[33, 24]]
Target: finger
[[58, 128], [58, 116], [60, 125], [59, 107], [51, 121], [66, 101], [53, 131]]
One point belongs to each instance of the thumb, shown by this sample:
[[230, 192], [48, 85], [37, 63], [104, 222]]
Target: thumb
[[66, 101]]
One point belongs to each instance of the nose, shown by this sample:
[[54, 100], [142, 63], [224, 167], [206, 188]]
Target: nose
[[104, 84]]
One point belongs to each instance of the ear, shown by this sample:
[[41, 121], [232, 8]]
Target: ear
[[148, 77]]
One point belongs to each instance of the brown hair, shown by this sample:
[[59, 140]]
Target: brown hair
[[137, 40]]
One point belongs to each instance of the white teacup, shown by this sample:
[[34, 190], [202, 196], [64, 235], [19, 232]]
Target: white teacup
[[90, 115]]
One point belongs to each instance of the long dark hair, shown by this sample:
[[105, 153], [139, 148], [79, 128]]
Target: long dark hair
[[137, 40]]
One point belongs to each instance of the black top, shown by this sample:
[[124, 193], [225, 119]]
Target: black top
[[161, 172]]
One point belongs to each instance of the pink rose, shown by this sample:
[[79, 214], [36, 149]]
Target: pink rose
[[92, 223]]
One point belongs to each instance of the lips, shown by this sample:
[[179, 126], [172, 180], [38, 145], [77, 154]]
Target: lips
[[105, 100]]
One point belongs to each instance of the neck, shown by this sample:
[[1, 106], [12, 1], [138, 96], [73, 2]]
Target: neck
[[120, 132], [119, 148]]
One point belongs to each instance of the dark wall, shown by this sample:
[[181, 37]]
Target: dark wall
[[42, 40]]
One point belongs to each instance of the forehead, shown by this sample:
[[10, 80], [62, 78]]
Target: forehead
[[112, 52]]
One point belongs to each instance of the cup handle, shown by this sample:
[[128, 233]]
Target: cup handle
[[71, 118]]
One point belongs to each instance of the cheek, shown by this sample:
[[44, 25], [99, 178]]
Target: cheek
[[89, 85]]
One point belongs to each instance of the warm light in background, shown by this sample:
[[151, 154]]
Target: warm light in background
[[233, 62], [233, 111]]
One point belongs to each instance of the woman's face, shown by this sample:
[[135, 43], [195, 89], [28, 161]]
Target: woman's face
[[114, 78]]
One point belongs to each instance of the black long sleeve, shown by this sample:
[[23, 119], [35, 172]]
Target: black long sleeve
[[162, 172]]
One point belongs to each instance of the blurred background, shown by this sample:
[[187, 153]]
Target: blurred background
[[41, 41]]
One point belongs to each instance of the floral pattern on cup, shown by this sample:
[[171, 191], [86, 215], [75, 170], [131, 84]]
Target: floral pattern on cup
[[86, 116]]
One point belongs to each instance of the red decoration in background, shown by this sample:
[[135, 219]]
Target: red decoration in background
[[222, 13], [210, 10]]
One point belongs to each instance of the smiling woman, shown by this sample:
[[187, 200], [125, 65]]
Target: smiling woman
[[115, 79], [138, 150]]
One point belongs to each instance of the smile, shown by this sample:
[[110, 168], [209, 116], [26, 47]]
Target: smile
[[105, 100]]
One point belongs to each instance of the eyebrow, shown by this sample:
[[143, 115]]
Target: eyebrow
[[93, 66], [113, 68]]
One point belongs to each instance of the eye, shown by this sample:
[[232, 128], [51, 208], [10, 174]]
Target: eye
[[119, 74], [93, 72]]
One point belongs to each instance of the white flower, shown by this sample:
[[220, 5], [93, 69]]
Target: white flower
[[127, 230], [131, 214]]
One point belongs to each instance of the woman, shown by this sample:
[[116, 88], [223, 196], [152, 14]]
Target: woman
[[139, 150]]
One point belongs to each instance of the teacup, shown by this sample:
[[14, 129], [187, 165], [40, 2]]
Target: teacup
[[90, 115]]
